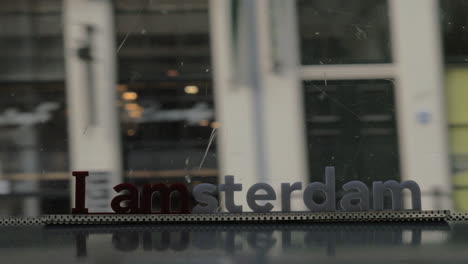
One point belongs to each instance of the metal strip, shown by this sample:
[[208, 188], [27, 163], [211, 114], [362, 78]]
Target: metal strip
[[383, 216], [457, 216], [244, 218], [22, 221], [99, 229]]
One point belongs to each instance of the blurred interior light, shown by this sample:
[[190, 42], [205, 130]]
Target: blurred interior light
[[215, 125], [203, 123], [134, 110], [122, 88], [191, 89], [129, 96], [135, 114], [132, 107], [131, 132], [172, 73]]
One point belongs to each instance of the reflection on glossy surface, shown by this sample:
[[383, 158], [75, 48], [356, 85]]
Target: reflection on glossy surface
[[268, 243]]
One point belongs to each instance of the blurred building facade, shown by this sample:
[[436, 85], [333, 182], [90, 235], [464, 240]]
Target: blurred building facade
[[191, 90]]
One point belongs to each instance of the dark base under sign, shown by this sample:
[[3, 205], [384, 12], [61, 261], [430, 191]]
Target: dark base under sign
[[307, 217]]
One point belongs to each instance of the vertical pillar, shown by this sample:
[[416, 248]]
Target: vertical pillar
[[234, 110], [422, 124], [282, 92], [258, 94], [93, 122]]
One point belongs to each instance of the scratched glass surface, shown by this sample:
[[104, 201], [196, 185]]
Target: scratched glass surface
[[454, 26], [158, 64], [165, 99], [344, 32], [165, 95], [33, 115], [351, 125]]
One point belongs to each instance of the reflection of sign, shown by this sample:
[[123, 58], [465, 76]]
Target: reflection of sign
[[355, 198], [295, 238]]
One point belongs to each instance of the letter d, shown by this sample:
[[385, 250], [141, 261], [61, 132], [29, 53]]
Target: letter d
[[328, 189]]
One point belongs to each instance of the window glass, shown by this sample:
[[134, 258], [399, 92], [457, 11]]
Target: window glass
[[165, 99], [344, 32], [33, 128], [166, 94], [457, 92], [454, 24], [351, 125]]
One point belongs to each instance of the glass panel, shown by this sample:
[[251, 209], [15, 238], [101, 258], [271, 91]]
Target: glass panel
[[351, 125], [457, 92], [33, 129], [344, 32], [165, 99], [454, 23], [166, 93]]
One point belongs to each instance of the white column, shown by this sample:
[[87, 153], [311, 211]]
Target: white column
[[234, 110], [91, 95], [422, 124], [282, 92], [258, 95]]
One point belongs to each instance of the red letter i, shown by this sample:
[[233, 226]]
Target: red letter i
[[80, 191]]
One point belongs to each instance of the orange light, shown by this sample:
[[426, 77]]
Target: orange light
[[203, 123], [129, 96], [131, 132], [215, 125], [172, 73], [191, 89], [135, 114], [132, 107]]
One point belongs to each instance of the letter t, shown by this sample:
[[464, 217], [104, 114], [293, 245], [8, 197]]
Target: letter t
[[229, 187]]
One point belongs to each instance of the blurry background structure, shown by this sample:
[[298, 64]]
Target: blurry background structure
[[269, 90]]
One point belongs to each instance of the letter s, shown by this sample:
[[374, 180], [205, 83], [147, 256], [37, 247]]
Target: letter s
[[204, 194]]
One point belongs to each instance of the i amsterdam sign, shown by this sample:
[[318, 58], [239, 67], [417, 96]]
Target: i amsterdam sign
[[356, 197]]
